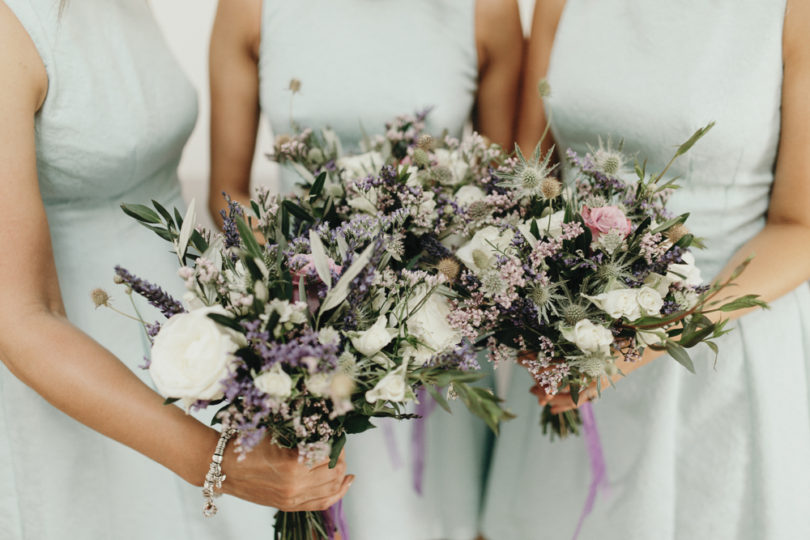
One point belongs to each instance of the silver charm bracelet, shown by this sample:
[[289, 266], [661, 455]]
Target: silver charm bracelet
[[214, 478]]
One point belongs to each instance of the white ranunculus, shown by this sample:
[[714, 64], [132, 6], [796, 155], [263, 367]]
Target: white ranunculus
[[360, 166], [658, 282], [429, 324], [275, 382], [687, 273], [365, 202], [550, 226], [191, 356], [466, 195], [589, 337], [618, 303], [318, 384], [371, 341], [649, 301], [392, 387], [480, 248], [454, 162]]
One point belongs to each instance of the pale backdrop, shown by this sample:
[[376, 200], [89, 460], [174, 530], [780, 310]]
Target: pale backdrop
[[187, 25]]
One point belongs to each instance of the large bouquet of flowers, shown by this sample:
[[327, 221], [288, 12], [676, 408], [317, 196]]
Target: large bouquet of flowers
[[304, 332], [563, 277]]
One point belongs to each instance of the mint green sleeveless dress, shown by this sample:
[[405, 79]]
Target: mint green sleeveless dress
[[361, 63], [112, 128], [722, 454]]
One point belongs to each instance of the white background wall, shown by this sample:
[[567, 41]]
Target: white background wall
[[187, 25]]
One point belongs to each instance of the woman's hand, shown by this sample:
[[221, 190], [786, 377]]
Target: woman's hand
[[273, 476]]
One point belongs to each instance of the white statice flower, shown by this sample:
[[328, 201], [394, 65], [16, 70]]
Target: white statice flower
[[319, 384], [686, 299], [687, 273], [192, 354], [618, 303], [466, 195], [649, 300], [275, 382], [430, 326], [479, 253], [295, 313], [549, 226], [589, 337], [370, 342], [360, 166], [455, 163], [392, 387]]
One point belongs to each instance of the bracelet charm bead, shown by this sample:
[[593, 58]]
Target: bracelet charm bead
[[214, 477]]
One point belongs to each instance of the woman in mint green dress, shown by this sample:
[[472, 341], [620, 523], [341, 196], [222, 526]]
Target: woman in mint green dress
[[360, 63], [94, 111], [722, 454]]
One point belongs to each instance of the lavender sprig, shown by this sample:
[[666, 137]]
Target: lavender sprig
[[153, 294]]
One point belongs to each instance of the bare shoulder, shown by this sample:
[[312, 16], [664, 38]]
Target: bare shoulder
[[240, 21], [20, 63], [796, 34], [497, 27]]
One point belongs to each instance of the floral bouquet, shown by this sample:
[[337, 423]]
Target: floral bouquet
[[303, 336], [572, 277], [563, 278]]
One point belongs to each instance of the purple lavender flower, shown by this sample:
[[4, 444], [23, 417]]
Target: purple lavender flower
[[229, 228], [156, 296]]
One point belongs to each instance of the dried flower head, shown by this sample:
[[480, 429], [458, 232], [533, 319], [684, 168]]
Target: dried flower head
[[283, 139], [550, 188], [295, 85], [449, 267], [676, 232], [100, 297], [572, 313], [544, 88], [478, 210], [425, 142]]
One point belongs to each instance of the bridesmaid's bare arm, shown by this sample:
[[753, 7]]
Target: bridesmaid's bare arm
[[65, 366], [234, 77], [499, 38], [532, 119], [781, 256]]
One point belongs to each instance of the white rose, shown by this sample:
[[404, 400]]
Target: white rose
[[466, 195], [589, 337], [649, 301], [341, 386], [479, 253], [687, 273], [392, 387], [365, 202], [429, 325], [360, 166], [191, 356], [372, 341], [618, 303], [318, 384], [454, 162], [275, 383], [328, 336], [550, 226]]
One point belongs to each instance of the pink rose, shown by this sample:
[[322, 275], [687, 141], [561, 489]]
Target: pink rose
[[605, 219], [308, 269]]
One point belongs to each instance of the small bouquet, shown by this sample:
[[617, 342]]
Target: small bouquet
[[571, 277], [302, 330]]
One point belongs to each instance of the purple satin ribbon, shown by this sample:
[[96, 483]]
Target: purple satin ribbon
[[597, 459], [418, 443], [335, 520], [391, 443]]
